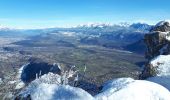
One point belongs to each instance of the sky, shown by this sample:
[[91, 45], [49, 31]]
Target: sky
[[66, 13]]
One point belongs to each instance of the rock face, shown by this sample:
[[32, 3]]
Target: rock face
[[158, 43], [162, 26], [155, 41]]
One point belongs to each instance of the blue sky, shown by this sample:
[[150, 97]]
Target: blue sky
[[60, 13]]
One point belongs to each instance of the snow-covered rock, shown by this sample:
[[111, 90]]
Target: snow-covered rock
[[134, 90], [158, 53], [58, 92], [49, 87], [20, 85], [162, 63], [158, 50], [116, 83]]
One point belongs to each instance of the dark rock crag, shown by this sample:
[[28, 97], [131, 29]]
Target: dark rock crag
[[37, 68], [157, 43]]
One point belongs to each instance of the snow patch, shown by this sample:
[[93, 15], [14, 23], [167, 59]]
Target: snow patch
[[116, 83], [61, 92], [49, 87], [19, 83], [162, 63], [134, 90]]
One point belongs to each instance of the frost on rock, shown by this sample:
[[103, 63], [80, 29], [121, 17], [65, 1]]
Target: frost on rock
[[117, 89], [135, 90]]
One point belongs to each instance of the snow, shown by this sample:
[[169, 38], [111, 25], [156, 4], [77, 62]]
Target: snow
[[162, 63], [11, 82], [20, 85], [67, 33], [21, 69], [134, 90], [167, 36], [124, 24], [102, 25], [49, 78], [117, 83], [162, 80], [63, 92], [49, 87], [1, 80]]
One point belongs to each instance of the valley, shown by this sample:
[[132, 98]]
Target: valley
[[103, 54]]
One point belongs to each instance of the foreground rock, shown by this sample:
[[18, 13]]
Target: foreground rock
[[129, 89], [158, 67], [36, 68], [158, 43], [49, 87]]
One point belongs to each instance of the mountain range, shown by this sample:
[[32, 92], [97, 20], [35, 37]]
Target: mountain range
[[122, 36]]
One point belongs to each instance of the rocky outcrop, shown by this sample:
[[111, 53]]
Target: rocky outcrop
[[37, 68], [158, 43], [162, 26]]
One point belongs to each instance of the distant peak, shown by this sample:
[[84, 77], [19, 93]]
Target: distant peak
[[94, 25]]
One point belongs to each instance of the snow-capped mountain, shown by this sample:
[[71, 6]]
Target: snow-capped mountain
[[141, 26], [4, 28], [88, 25], [138, 26]]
